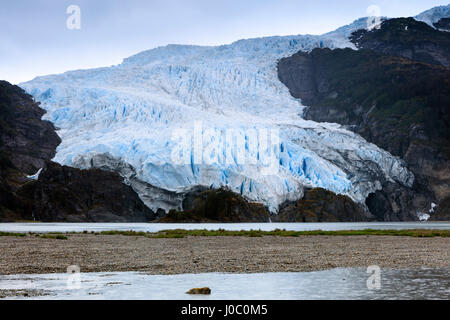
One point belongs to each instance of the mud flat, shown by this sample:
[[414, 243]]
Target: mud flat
[[37, 254]]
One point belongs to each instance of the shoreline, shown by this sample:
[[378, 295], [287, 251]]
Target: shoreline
[[202, 254], [74, 227]]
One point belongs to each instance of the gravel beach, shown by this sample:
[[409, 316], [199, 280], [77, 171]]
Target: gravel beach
[[113, 253]]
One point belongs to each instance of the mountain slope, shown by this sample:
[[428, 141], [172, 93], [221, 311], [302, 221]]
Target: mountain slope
[[26, 140], [126, 118], [401, 105], [408, 38], [436, 17]]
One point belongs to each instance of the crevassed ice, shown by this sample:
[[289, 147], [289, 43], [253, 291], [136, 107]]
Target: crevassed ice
[[131, 111]]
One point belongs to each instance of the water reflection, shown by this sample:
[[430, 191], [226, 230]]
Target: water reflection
[[349, 283]]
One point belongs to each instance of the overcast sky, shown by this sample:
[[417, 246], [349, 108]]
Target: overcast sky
[[34, 38]]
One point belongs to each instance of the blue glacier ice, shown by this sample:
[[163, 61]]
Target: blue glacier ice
[[133, 117]]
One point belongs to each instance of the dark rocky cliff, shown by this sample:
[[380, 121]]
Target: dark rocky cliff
[[26, 144], [222, 205], [68, 194], [400, 104], [443, 211], [217, 205], [443, 24], [320, 205], [408, 38], [26, 140]]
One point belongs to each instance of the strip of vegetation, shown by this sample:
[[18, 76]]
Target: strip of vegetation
[[160, 234], [181, 233], [11, 234], [52, 236]]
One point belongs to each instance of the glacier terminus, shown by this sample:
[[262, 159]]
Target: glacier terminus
[[137, 118]]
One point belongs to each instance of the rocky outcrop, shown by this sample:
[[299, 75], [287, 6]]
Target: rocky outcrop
[[26, 140], [26, 144], [399, 104], [204, 290], [60, 193], [157, 199], [396, 203], [222, 205], [320, 205], [72, 195], [408, 38], [442, 212], [217, 205], [443, 24]]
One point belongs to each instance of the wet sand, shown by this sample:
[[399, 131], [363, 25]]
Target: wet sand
[[113, 253]]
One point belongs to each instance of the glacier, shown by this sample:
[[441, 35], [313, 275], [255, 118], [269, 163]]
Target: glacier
[[433, 15], [128, 118]]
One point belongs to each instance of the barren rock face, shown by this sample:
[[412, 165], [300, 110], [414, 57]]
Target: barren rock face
[[320, 205], [443, 211], [26, 144], [73, 195]]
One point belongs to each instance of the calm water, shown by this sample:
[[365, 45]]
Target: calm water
[[350, 283], [154, 227]]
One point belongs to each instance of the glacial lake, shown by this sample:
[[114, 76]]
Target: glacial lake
[[155, 227], [341, 283]]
